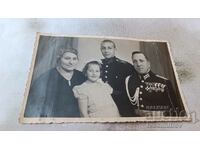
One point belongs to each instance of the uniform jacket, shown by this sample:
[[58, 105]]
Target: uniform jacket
[[151, 92], [114, 73]]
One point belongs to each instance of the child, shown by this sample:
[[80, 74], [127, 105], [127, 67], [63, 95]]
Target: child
[[94, 96]]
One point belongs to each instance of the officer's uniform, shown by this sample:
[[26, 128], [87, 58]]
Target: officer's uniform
[[114, 72], [151, 93]]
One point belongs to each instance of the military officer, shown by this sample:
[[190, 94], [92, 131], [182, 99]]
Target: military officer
[[114, 73], [150, 94]]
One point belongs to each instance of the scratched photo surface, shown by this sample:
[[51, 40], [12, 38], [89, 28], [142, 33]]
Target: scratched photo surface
[[102, 79]]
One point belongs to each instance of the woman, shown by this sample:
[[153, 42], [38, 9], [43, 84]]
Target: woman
[[51, 94]]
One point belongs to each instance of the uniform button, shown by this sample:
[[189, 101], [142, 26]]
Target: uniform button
[[106, 71], [141, 86], [106, 77], [140, 98], [142, 105], [140, 92], [142, 81], [106, 66]]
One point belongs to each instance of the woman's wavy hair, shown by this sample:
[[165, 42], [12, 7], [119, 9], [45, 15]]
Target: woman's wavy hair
[[62, 51]]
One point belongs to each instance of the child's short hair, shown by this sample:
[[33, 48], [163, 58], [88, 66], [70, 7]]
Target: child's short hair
[[92, 63]]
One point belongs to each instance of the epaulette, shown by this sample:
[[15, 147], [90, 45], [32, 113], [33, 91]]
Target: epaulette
[[121, 61], [101, 61], [161, 77]]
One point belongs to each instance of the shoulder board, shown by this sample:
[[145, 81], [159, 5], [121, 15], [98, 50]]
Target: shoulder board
[[161, 77], [121, 61]]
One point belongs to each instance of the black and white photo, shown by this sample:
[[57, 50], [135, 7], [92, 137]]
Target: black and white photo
[[102, 79]]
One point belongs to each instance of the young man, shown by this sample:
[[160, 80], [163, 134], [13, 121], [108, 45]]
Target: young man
[[114, 73]]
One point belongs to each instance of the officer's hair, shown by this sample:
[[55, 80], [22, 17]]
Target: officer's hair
[[92, 63], [139, 52], [110, 41]]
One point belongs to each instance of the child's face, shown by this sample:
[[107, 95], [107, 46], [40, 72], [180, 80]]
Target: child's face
[[93, 72]]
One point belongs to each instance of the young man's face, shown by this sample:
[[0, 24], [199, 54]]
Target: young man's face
[[140, 63], [107, 49]]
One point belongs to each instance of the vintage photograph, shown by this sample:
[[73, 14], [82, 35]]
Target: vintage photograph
[[102, 79]]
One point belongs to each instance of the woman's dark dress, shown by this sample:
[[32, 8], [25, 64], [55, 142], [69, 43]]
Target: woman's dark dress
[[52, 96]]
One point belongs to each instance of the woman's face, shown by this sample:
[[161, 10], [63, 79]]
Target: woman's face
[[93, 72], [68, 61]]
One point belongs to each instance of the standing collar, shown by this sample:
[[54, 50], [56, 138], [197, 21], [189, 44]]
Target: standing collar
[[146, 75], [109, 60]]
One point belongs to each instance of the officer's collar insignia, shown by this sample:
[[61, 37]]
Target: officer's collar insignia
[[146, 76]]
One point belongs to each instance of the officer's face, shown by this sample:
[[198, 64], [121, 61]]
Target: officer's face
[[68, 61], [140, 63], [108, 50], [93, 72]]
